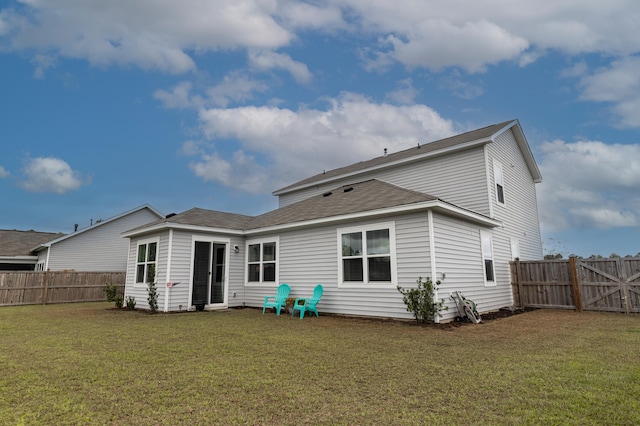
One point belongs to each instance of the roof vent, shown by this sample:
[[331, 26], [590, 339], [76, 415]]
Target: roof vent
[[348, 189], [326, 194]]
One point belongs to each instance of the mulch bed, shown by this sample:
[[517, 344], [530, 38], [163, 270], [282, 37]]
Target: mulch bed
[[486, 317]]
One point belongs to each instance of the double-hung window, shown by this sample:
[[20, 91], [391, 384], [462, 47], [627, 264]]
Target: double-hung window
[[146, 261], [499, 179], [367, 254], [262, 265], [487, 258]]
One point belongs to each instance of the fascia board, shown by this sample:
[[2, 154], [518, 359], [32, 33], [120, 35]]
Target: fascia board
[[437, 205], [407, 160], [525, 148], [180, 227], [19, 259]]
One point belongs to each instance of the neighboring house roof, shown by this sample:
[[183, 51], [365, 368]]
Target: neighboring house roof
[[21, 243], [369, 197], [49, 243], [454, 143]]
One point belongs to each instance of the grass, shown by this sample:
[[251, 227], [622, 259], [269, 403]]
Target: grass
[[90, 364]]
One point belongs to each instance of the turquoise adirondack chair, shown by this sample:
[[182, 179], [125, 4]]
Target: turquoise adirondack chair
[[308, 304], [278, 300]]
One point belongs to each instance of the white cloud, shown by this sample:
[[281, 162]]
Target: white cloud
[[454, 83], [473, 45], [43, 62], [433, 34], [618, 84], [235, 87], [292, 145], [471, 35], [589, 184], [267, 60], [404, 94], [3, 172], [48, 174], [145, 33], [179, 97]]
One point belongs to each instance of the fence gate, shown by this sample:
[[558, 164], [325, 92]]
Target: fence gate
[[608, 284], [631, 271]]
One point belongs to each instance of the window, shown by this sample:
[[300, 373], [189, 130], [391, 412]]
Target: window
[[146, 262], [262, 261], [367, 254], [487, 258], [499, 179]]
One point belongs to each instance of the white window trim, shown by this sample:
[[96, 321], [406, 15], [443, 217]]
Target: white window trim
[[489, 236], [261, 283], [497, 166], [135, 260], [391, 226]]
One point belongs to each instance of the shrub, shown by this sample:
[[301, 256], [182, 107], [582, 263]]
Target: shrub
[[152, 291], [130, 303], [119, 301], [111, 290], [421, 302]]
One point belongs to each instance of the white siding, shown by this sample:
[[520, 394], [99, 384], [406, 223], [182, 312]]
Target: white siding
[[180, 271], [140, 291], [181, 258], [99, 249], [459, 178], [459, 258], [309, 257], [519, 213]]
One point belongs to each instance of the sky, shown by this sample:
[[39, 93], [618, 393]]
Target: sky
[[109, 105]]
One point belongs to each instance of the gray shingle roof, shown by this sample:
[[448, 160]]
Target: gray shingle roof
[[20, 243], [449, 142], [204, 217], [350, 199]]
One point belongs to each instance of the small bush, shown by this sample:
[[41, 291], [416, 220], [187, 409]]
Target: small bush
[[420, 300], [152, 291], [112, 291], [119, 300], [130, 303]]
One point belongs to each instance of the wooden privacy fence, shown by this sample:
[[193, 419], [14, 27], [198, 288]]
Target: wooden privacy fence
[[35, 288], [581, 284]]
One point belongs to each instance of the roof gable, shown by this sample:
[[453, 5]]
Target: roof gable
[[458, 142], [96, 225]]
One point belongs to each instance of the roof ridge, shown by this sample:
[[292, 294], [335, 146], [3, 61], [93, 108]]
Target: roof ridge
[[386, 159]]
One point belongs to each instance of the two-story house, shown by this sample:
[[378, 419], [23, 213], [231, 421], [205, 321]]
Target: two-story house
[[456, 210]]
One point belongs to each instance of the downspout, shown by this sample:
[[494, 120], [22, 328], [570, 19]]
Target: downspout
[[167, 289], [432, 255]]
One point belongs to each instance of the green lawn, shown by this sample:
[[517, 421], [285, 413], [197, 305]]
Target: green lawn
[[90, 364]]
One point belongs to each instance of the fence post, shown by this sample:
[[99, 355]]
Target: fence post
[[575, 284], [45, 291], [519, 282]]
